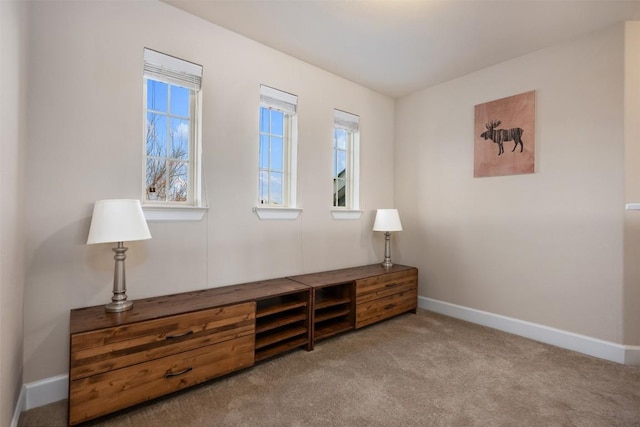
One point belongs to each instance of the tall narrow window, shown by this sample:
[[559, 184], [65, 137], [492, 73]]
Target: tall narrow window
[[277, 148], [345, 160], [172, 99]]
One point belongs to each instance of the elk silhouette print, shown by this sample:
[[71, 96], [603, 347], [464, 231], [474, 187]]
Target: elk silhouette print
[[505, 121], [499, 136]]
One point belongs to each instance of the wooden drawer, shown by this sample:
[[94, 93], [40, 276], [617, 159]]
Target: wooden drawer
[[384, 285], [102, 394], [107, 349], [382, 308]]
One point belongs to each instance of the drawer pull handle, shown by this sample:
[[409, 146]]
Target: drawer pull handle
[[389, 306], [173, 337], [389, 285], [175, 374]]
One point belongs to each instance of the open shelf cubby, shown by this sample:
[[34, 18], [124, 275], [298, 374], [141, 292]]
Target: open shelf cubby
[[333, 310], [282, 324]]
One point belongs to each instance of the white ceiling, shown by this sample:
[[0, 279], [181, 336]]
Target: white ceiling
[[397, 47]]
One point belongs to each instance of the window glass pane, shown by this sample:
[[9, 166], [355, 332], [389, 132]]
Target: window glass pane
[[179, 101], [277, 154], [341, 138], [156, 134], [339, 187], [273, 159], [345, 161], [171, 137], [156, 95], [277, 122], [341, 163], [179, 139], [178, 181], [275, 188], [156, 179], [264, 120], [264, 152], [264, 188]]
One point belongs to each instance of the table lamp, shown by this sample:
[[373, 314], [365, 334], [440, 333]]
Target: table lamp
[[118, 221], [387, 220]]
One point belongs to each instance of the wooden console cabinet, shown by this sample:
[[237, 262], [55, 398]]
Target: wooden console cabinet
[[374, 293], [168, 343], [386, 295]]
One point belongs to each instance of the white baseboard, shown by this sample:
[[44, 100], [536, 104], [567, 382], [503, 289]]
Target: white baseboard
[[49, 390], [629, 355], [632, 355], [20, 406], [40, 393]]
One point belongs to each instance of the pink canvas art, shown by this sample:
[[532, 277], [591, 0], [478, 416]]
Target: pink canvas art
[[504, 136]]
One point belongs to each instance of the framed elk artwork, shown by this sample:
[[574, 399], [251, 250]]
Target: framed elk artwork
[[504, 139]]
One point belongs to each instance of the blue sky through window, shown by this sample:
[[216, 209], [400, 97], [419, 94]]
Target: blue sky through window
[[271, 156], [167, 141]]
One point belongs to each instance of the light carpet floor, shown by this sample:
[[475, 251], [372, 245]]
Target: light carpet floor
[[413, 370]]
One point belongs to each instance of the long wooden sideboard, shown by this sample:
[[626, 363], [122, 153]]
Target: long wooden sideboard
[[168, 343]]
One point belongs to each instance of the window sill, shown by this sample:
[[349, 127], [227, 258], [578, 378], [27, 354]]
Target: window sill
[[277, 213], [163, 213], [346, 214]]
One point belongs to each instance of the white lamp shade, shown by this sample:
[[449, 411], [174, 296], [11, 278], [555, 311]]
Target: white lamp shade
[[117, 220], [387, 220]]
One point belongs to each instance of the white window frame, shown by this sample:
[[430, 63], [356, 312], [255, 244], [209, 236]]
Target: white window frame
[[350, 123], [286, 103], [174, 71]]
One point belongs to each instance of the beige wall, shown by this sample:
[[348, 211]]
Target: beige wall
[[632, 185], [545, 247], [85, 121], [13, 45]]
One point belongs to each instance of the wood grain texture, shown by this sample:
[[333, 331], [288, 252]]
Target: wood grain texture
[[172, 342], [381, 297], [334, 277], [102, 394], [112, 348], [380, 286], [383, 308], [92, 318], [513, 112], [333, 308], [283, 323]]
